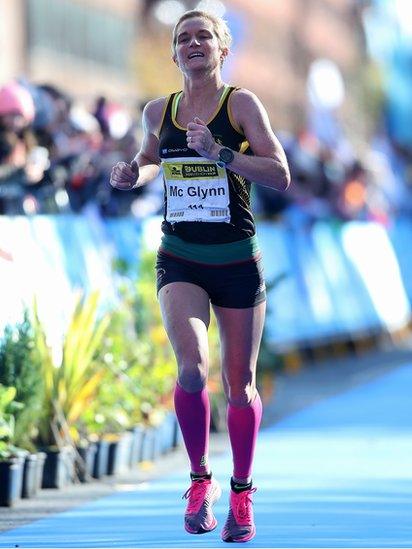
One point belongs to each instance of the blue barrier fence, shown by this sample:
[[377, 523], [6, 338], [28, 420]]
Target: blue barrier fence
[[342, 279], [331, 281]]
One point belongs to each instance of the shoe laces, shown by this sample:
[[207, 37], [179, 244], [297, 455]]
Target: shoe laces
[[242, 505], [196, 494]]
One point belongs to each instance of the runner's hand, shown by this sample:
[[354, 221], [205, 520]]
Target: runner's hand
[[124, 176], [200, 139]]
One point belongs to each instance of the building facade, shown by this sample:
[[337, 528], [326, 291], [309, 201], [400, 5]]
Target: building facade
[[83, 46]]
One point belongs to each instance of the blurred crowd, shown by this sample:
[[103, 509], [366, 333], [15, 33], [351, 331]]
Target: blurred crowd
[[56, 156]]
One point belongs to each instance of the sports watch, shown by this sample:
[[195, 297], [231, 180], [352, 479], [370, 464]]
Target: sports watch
[[226, 156]]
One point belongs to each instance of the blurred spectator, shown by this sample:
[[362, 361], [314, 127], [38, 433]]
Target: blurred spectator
[[12, 178], [100, 112], [16, 107], [22, 162], [316, 171]]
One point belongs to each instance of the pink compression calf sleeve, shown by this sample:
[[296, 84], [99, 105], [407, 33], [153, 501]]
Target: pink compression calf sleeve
[[193, 415], [243, 426]]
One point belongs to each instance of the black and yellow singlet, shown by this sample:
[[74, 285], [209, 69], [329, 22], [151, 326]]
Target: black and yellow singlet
[[204, 203]]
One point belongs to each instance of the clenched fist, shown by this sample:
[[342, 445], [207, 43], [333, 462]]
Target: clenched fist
[[124, 176]]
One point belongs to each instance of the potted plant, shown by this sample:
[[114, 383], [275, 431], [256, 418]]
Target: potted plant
[[112, 416], [11, 457], [71, 383], [20, 367], [107, 423], [85, 464]]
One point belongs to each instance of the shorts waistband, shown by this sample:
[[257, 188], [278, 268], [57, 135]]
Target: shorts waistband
[[211, 254]]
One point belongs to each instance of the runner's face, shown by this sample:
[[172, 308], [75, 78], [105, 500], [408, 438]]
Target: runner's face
[[197, 46]]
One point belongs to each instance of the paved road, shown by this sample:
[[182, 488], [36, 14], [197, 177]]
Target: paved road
[[335, 474]]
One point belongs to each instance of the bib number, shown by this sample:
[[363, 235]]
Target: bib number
[[196, 190]]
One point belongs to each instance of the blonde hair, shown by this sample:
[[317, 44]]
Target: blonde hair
[[220, 28]]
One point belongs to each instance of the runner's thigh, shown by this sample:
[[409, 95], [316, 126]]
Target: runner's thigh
[[186, 315]]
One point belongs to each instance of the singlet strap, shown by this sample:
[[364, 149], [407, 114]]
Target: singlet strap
[[175, 104], [235, 126], [166, 111]]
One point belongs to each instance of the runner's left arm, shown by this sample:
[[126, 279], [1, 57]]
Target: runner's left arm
[[268, 166]]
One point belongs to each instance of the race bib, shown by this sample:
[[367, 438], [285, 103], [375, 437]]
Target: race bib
[[196, 190]]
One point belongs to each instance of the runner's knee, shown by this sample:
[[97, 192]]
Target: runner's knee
[[192, 377], [240, 394]]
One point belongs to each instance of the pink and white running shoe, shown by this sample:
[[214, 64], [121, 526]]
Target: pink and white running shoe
[[201, 495], [240, 525]]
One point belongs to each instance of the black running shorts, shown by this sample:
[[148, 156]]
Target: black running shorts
[[235, 285]]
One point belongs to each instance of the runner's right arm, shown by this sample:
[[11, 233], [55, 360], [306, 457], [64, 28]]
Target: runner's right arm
[[146, 165]]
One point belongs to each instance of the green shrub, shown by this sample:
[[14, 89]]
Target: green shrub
[[20, 367], [8, 408], [70, 385]]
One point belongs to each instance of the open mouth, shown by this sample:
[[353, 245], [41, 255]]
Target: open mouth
[[195, 54]]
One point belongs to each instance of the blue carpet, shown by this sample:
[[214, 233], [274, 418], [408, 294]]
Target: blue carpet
[[337, 474]]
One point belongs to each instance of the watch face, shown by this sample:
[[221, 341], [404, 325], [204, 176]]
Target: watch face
[[226, 155]]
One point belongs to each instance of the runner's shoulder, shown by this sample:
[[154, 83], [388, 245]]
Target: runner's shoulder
[[242, 98], [246, 108], [153, 113]]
